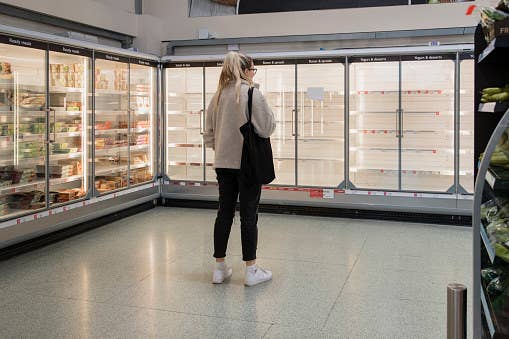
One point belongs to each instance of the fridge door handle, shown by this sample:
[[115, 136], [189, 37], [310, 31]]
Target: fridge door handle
[[51, 141], [294, 112], [401, 117], [397, 123], [201, 121]]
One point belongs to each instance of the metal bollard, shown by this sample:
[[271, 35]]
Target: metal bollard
[[456, 311]]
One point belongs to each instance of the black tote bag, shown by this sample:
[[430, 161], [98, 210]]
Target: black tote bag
[[257, 165]]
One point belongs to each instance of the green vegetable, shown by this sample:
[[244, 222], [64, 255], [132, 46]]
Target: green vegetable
[[491, 13], [492, 90], [504, 96], [499, 158], [502, 252]]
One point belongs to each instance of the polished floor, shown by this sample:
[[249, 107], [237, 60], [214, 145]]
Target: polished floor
[[148, 276]]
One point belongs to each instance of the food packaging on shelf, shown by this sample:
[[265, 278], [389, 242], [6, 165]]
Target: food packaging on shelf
[[142, 139], [4, 208], [495, 21], [69, 194], [5, 68], [14, 175], [33, 102], [142, 124], [139, 158], [56, 171], [73, 106], [66, 75]]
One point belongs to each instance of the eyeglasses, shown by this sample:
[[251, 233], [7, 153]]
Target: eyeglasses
[[254, 70]]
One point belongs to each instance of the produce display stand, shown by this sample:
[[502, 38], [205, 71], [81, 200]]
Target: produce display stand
[[491, 248]]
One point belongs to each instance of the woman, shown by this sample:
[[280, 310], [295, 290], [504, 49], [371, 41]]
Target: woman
[[228, 111]]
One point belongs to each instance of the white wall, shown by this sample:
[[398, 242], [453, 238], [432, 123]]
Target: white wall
[[125, 5], [179, 26], [168, 19], [114, 15]]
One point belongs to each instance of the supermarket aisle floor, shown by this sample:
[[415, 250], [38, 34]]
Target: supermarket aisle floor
[[149, 276]]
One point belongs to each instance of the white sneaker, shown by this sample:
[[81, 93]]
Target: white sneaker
[[256, 276], [220, 275]]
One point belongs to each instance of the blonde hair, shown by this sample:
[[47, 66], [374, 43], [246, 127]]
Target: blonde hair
[[234, 66]]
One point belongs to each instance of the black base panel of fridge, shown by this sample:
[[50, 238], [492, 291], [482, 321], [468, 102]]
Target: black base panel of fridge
[[455, 220], [51, 238]]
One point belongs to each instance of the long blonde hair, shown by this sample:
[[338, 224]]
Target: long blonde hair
[[233, 70]]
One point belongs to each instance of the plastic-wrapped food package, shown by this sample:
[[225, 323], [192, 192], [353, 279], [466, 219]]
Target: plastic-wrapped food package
[[490, 273]]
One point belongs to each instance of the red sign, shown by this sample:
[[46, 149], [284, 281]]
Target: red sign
[[316, 193]]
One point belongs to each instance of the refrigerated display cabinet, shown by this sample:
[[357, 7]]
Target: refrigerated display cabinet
[[77, 121], [404, 129], [24, 127], [124, 121], [70, 114]]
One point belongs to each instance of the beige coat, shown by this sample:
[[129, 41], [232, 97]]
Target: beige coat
[[222, 124]]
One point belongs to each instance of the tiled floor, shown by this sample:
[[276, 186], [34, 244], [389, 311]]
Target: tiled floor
[[148, 276]]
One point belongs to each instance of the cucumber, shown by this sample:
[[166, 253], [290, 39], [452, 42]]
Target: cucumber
[[492, 90]]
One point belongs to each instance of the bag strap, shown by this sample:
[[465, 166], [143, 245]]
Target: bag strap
[[250, 103]]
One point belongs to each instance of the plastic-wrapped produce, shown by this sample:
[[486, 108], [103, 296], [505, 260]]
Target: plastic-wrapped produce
[[488, 274], [502, 252], [495, 287], [488, 210]]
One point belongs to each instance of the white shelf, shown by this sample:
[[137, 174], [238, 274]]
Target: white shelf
[[60, 89], [183, 128], [72, 113], [110, 131], [99, 111], [404, 150], [122, 148], [110, 92], [184, 145], [186, 163], [117, 169], [121, 130]]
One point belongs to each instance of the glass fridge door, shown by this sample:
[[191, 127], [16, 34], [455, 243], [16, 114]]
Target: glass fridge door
[[427, 137], [143, 87], [22, 128], [277, 84], [374, 139], [111, 124], [184, 123], [466, 147], [211, 80], [69, 101], [320, 119]]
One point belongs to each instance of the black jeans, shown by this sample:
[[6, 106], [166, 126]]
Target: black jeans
[[230, 187]]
